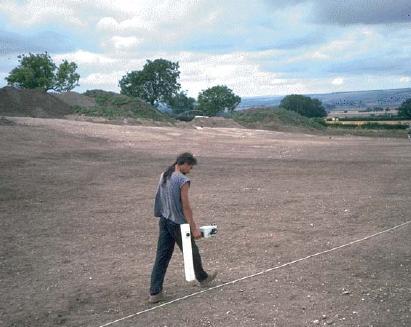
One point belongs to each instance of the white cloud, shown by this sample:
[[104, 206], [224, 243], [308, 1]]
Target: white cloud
[[353, 42], [156, 16], [337, 81], [405, 79], [122, 43], [239, 71], [319, 55], [38, 12], [85, 58], [98, 79], [111, 25], [107, 24]]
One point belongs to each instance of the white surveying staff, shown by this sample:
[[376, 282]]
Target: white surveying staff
[[187, 253], [206, 231]]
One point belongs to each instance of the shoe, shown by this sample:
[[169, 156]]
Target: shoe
[[156, 298], [206, 282]]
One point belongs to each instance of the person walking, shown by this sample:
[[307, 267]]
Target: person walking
[[172, 207]]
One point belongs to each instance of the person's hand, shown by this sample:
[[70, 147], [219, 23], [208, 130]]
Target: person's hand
[[195, 231]]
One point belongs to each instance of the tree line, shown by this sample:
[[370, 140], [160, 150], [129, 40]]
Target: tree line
[[156, 83]]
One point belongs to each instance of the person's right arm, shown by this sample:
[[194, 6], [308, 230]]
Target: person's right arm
[[188, 213]]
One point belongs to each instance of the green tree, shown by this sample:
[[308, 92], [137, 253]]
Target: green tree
[[217, 99], [156, 82], [38, 71], [66, 77], [303, 105], [404, 111], [181, 103]]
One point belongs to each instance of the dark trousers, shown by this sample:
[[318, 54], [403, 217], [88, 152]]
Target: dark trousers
[[170, 234]]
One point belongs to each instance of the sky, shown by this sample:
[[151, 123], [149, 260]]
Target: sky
[[256, 48]]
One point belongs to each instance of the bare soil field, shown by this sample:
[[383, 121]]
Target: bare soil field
[[78, 236]]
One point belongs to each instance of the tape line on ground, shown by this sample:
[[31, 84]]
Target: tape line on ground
[[254, 275]]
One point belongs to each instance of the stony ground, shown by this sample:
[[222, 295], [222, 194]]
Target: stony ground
[[77, 236]]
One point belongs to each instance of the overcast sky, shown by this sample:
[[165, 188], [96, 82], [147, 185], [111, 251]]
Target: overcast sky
[[272, 47]]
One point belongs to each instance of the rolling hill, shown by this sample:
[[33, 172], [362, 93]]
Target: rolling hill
[[354, 100]]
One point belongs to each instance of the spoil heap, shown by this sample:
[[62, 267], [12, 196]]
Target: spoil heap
[[76, 99], [31, 103]]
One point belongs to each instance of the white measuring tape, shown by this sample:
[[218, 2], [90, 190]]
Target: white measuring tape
[[254, 275]]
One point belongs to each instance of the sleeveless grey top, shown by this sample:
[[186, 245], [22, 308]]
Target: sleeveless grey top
[[168, 198]]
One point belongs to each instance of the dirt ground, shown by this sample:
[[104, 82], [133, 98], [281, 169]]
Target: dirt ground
[[78, 237]]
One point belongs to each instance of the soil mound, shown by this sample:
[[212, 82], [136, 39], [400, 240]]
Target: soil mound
[[5, 122], [76, 99], [31, 103], [215, 122], [116, 106]]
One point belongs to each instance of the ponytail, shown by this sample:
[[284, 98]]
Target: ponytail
[[167, 174]]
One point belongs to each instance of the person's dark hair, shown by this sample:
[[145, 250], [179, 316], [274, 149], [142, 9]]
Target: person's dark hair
[[183, 158]]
